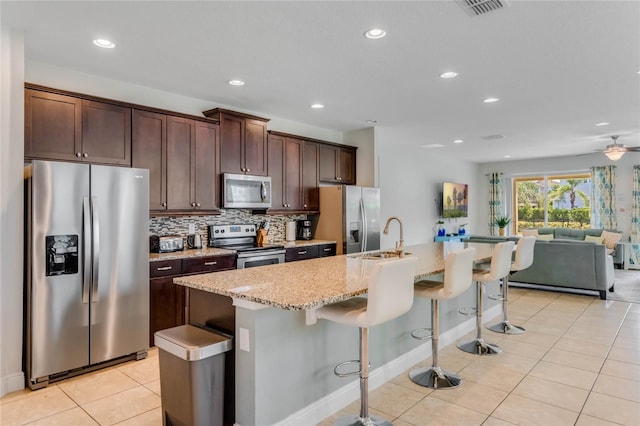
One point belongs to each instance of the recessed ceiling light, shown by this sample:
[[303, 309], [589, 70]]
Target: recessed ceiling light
[[317, 106], [604, 123], [490, 100], [448, 74], [236, 82], [372, 121], [507, 156], [375, 33], [107, 44], [458, 141], [433, 145]]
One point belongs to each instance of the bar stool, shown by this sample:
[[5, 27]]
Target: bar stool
[[390, 295], [524, 259], [500, 264], [458, 271]]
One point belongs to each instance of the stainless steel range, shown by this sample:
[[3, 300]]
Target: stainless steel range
[[242, 239]]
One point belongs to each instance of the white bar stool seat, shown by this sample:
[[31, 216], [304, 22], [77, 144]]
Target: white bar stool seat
[[500, 265], [390, 295], [458, 271], [524, 259]]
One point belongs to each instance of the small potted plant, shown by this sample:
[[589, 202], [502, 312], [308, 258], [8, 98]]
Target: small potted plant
[[501, 222], [441, 229]]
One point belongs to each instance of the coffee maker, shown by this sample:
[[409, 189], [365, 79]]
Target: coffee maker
[[304, 230]]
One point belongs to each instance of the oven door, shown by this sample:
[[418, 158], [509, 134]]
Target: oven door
[[260, 260]]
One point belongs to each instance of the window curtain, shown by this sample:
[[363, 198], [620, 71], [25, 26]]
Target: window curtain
[[603, 197], [496, 199], [635, 206]]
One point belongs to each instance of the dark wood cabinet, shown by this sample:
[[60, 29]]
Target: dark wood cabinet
[[61, 127], [285, 170], [337, 164], [310, 180], [167, 300], [149, 151], [294, 254], [243, 142], [53, 126], [327, 250], [106, 133], [181, 155]]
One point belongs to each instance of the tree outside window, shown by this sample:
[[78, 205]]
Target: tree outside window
[[552, 201]]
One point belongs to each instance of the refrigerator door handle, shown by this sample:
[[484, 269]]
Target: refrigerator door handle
[[363, 213], [86, 235], [95, 241]]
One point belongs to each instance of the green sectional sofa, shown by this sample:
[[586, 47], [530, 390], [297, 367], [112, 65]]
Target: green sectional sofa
[[566, 261]]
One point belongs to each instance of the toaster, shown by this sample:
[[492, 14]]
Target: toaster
[[166, 244]]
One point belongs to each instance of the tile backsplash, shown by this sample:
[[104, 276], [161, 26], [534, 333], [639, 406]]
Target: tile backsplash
[[179, 225]]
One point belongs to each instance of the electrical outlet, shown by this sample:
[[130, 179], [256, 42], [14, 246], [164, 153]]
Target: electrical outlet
[[192, 228], [244, 340]]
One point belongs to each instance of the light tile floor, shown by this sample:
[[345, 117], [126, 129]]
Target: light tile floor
[[577, 364]]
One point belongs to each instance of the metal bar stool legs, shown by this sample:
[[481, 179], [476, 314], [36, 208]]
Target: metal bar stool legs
[[478, 345], [505, 326], [435, 377]]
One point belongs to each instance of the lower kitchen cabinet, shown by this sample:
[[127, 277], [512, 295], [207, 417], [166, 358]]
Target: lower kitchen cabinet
[[166, 299], [309, 252]]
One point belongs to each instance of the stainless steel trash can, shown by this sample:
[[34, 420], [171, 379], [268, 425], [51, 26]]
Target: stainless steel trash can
[[192, 375]]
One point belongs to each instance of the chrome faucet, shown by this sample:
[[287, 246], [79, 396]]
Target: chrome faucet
[[399, 244]]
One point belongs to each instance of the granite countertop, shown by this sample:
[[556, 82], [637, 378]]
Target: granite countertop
[[210, 251], [185, 254], [315, 282]]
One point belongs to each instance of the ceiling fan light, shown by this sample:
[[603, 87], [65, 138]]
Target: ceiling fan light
[[614, 155]]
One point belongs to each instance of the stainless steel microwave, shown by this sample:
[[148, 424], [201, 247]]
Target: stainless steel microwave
[[246, 191]]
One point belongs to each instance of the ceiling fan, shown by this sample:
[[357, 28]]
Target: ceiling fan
[[615, 150]]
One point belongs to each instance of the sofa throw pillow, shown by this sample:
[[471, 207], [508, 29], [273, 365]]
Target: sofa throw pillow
[[529, 232], [546, 237], [593, 239], [610, 239]]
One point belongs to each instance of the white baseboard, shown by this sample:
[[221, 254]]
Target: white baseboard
[[11, 383], [335, 401]]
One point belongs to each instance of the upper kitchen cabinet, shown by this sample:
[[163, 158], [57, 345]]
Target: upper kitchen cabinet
[[338, 164], [63, 127], [243, 142], [180, 154], [310, 176], [149, 151], [285, 170], [106, 133], [53, 126], [191, 164]]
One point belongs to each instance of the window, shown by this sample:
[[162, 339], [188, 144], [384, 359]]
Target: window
[[552, 201]]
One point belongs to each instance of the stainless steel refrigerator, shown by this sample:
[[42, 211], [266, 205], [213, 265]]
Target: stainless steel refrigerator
[[350, 215], [87, 268]]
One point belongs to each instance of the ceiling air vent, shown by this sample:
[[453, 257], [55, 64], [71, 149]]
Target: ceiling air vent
[[480, 7], [491, 137]]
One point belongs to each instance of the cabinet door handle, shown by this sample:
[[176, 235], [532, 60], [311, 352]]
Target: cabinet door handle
[[164, 268], [305, 206], [78, 154], [85, 155], [302, 252], [326, 249], [210, 263], [197, 204], [164, 204], [248, 170]]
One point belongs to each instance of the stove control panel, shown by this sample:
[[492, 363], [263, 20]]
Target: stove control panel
[[232, 231]]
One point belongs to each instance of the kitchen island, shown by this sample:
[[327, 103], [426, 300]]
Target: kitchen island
[[284, 367]]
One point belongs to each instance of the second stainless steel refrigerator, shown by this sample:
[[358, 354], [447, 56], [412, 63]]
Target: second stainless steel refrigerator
[[350, 215], [87, 274]]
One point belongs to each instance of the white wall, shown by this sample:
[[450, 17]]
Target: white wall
[[11, 207], [410, 179], [624, 179]]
